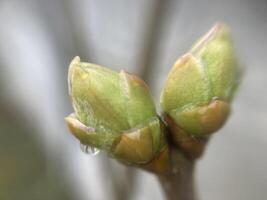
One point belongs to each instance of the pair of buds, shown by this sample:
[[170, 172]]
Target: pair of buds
[[115, 112]]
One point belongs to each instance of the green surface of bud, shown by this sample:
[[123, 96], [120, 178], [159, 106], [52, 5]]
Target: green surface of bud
[[113, 112], [200, 86]]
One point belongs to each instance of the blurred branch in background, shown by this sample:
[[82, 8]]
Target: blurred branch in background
[[151, 37]]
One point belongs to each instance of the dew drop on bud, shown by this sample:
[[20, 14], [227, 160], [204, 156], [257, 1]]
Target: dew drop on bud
[[87, 149]]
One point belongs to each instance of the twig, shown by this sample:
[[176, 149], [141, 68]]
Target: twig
[[178, 184]]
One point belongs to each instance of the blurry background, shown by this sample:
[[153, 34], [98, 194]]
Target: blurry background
[[39, 159]]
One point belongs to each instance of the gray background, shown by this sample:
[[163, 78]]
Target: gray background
[[39, 159]]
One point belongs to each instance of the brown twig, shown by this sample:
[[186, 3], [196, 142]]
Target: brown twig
[[178, 184], [174, 169]]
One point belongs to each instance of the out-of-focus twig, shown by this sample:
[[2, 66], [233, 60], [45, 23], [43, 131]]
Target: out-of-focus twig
[[150, 38]]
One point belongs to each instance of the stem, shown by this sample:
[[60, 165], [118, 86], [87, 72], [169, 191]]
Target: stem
[[178, 184]]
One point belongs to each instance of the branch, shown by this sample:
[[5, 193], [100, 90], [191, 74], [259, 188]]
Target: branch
[[178, 184]]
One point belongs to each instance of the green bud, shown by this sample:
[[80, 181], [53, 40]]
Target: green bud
[[113, 112], [199, 88], [216, 53]]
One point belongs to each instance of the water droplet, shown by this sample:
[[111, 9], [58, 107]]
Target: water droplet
[[89, 149]]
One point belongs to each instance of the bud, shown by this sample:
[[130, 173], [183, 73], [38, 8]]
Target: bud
[[114, 112], [200, 86]]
